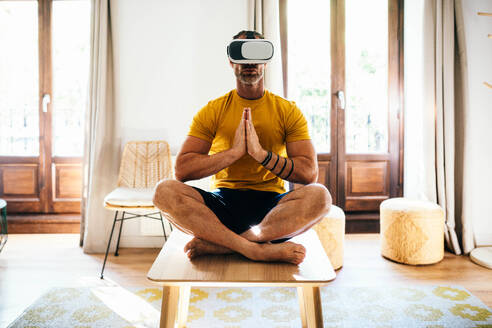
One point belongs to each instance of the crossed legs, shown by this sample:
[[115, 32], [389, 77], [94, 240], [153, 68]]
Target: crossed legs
[[294, 214]]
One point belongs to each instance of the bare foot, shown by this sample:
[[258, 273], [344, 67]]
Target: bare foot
[[282, 252], [196, 247]]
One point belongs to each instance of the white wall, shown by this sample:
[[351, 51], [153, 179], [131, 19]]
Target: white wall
[[170, 60], [478, 143]]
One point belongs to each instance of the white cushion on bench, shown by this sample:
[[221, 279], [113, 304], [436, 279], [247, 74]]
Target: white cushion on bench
[[123, 196]]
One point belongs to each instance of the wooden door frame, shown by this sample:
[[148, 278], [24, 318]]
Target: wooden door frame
[[401, 116], [396, 93], [338, 84], [45, 118]]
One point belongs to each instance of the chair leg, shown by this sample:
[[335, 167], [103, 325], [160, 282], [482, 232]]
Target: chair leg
[[109, 243], [119, 235], [163, 229]]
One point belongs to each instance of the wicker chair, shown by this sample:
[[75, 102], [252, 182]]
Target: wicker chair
[[144, 163]]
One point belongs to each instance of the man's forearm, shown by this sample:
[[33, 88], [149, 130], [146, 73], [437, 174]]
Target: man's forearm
[[194, 166], [297, 169]]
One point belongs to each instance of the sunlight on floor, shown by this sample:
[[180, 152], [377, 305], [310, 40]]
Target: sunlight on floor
[[128, 306]]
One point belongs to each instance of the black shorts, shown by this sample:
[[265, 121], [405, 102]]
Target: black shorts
[[239, 210]]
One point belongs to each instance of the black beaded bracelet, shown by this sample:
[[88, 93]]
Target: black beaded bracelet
[[291, 169], [283, 167], [267, 158], [273, 168]]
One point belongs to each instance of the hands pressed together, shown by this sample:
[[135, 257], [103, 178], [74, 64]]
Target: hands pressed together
[[246, 140]]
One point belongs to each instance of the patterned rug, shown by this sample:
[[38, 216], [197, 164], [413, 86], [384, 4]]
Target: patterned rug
[[387, 306]]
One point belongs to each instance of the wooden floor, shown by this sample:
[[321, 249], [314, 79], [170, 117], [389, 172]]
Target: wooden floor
[[32, 263]]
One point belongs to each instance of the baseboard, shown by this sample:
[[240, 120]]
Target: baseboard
[[362, 222], [44, 223], [361, 226]]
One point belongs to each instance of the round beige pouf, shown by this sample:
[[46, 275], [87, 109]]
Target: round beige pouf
[[482, 256], [412, 231], [331, 233]]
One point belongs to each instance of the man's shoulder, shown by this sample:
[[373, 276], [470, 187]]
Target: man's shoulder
[[281, 101]]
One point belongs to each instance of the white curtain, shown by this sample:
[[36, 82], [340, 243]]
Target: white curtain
[[268, 17], [102, 148], [435, 114]]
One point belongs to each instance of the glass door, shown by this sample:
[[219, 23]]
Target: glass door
[[368, 156], [344, 73], [43, 82], [21, 148], [70, 44]]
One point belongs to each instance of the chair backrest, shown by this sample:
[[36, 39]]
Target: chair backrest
[[144, 163]]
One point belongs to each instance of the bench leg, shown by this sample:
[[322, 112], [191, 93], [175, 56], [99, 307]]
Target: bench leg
[[184, 301], [169, 308], [174, 309], [310, 307]]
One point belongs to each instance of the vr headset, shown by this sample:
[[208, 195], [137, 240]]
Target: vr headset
[[250, 51]]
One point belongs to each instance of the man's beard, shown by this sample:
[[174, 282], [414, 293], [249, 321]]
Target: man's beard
[[249, 79]]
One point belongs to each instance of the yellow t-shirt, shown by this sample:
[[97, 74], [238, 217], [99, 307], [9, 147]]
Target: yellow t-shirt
[[276, 121]]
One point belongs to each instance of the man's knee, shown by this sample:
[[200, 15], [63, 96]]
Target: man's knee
[[319, 198], [166, 192]]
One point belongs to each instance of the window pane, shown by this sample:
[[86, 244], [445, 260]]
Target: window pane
[[310, 66], [19, 83], [71, 28], [366, 68]]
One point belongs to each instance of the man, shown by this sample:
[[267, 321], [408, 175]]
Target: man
[[242, 139]]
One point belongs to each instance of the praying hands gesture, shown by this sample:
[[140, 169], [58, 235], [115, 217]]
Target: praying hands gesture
[[239, 143], [252, 142], [246, 140]]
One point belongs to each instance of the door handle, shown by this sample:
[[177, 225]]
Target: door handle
[[46, 101], [341, 98]]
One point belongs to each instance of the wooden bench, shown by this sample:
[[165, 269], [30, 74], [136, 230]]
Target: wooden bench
[[177, 274]]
